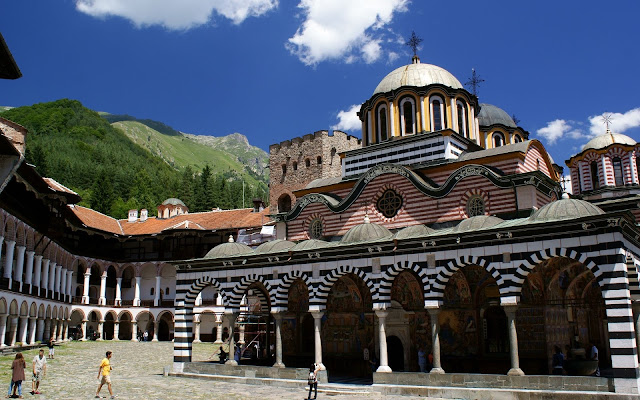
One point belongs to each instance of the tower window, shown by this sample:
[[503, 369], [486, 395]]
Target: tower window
[[319, 160], [307, 163], [498, 139], [517, 139], [437, 113], [382, 123], [595, 181], [295, 166], [407, 120], [462, 119], [284, 169], [617, 171]]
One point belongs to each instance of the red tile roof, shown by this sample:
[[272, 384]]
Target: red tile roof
[[211, 220]]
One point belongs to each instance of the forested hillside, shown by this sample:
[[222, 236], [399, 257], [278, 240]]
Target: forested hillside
[[81, 150]]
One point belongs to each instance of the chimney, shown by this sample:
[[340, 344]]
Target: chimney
[[133, 215], [258, 205], [144, 214]]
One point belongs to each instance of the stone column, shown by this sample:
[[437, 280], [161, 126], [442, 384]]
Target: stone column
[[510, 310], [3, 326], [156, 300], [103, 289], [278, 318], [196, 330], [218, 329], [136, 298], [241, 329], [60, 328], [70, 285], [134, 331], [32, 330], [40, 329], [84, 330], [156, 324], [85, 292], [232, 325], [19, 264], [28, 272], [100, 328], [63, 285], [65, 330], [116, 330], [22, 335], [8, 260], [58, 278], [37, 275], [14, 330], [317, 319], [382, 339], [46, 334], [52, 278], [118, 299], [435, 340]]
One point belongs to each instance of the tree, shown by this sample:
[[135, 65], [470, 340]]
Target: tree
[[102, 195]]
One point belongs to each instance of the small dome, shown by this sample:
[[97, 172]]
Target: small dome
[[173, 201], [229, 249], [274, 246], [477, 222], [609, 138], [414, 231], [491, 115], [418, 75], [365, 232], [310, 244], [565, 208]]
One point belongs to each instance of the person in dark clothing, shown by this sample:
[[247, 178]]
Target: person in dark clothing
[[313, 380], [557, 362], [223, 356]]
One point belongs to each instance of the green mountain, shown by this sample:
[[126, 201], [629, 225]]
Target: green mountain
[[129, 164]]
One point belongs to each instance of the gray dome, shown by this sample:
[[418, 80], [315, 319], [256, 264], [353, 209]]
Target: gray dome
[[477, 222], [174, 202], [365, 232], [565, 208], [310, 244], [274, 246], [414, 231], [417, 75], [491, 115], [229, 249], [609, 138]]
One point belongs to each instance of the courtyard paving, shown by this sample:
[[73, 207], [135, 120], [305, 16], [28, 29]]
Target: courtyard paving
[[138, 374]]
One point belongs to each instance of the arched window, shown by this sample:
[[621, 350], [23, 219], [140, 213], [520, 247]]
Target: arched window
[[319, 160], [307, 163], [517, 139], [407, 116], [462, 119], [498, 139], [284, 203], [295, 166], [595, 180], [436, 105], [284, 169], [617, 171], [382, 123]]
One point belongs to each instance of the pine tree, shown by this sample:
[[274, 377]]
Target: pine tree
[[102, 195]]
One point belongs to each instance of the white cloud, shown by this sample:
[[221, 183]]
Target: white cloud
[[176, 15], [559, 129], [339, 29], [619, 122], [348, 119]]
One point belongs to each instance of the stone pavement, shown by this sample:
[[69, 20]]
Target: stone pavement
[[138, 374]]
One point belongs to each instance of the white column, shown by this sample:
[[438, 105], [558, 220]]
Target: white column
[[1, 242], [218, 328], [22, 332], [633, 177], [156, 300], [40, 329], [603, 165], [60, 326], [70, 284], [3, 325], [84, 330], [37, 273], [32, 330], [232, 325], [118, 299], [58, 282], [136, 298], [28, 275], [134, 331], [100, 328], [382, 339], [241, 334], [196, 330], [65, 330], [52, 278], [423, 117], [116, 330], [317, 317], [45, 276], [435, 340], [8, 260], [454, 119], [103, 289], [85, 294], [14, 331], [156, 324], [369, 130], [510, 310], [278, 318], [63, 284], [19, 264], [392, 119]]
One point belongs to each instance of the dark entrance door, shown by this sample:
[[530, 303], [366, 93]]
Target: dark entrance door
[[395, 351]]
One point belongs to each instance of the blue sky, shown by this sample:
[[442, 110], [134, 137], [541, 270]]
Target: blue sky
[[273, 70]]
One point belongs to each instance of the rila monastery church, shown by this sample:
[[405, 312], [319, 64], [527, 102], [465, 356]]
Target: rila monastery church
[[443, 227]]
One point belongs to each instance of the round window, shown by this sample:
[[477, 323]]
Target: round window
[[389, 203], [475, 206], [315, 229]]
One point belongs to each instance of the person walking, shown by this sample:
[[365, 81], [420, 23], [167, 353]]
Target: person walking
[[18, 365], [105, 370], [313, 380], [39, 371], [50, 346], [593, 354]]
